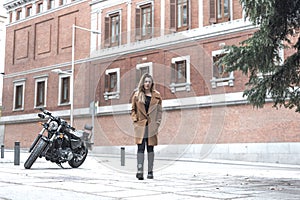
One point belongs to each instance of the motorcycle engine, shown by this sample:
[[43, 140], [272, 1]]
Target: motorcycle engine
[[66, 154]]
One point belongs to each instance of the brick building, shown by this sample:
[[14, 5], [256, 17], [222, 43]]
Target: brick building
[[115, 42], [2, 51]]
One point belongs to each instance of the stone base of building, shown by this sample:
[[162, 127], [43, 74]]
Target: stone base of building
[[280, 153]]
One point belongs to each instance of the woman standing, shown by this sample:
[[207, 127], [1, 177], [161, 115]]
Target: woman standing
[[146, 115]]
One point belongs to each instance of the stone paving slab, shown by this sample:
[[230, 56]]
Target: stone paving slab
[[102, 177]]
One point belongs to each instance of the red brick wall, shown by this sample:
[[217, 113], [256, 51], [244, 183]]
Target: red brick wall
[[41, 42], [52, 45], [47, 40], [231, 124]]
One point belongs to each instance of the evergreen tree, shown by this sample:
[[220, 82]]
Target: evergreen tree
[[259, 58]]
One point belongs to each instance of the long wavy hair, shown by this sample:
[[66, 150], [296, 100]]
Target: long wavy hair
[[141, 89]]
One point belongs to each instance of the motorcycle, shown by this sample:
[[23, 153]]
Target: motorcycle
[[61, 144]]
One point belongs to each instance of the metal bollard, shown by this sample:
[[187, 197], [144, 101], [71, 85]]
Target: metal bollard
[[2, 151], [17, 153], [122, 156]]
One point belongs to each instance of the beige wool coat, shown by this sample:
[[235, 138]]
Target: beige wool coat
[[140, 118]]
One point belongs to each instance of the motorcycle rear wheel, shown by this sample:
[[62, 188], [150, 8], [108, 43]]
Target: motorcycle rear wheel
[[75, 162], [36, 152]]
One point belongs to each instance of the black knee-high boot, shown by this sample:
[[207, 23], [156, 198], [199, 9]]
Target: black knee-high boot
[[140, 166], [150, 165]]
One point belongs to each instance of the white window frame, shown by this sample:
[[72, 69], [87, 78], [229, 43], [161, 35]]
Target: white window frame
[[30, 9], [175, 87], [116, 94], [63, 2], [61, 76], [141, 4], [37, 80], [148, 64], [52, 6], [19, 83], [220, 82], [119, 12], [40, 7]]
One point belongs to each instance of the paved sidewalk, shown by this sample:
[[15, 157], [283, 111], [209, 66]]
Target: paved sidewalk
[[103, 177]]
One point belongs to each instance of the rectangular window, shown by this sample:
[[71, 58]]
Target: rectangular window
[[219, 11], [223, 10], [219, 75], [112, 84], [62, 2], [19, 89], [140, 72], [19, 97], [10, 17], [51, 4], [219, 69], [179, 72], [112, 30], [39, 7], [65, 90], [143, 68], [115, 30], [179, 15], [182, 10], [144, 22], [40, 93], [18, 14], [28, 11]]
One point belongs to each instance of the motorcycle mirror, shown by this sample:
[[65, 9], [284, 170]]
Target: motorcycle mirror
[[41, 116], [88, 127]]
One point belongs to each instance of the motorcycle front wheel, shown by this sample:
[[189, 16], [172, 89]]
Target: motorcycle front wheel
[[80, 157], [36, 152]]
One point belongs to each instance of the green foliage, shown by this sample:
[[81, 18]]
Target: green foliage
[[259, 57]]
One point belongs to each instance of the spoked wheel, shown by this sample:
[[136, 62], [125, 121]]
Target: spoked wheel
[[79, 158], [36, 152]]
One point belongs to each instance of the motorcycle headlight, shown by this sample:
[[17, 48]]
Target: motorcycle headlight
[[53, 125]]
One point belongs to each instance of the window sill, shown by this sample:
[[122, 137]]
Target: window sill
[[41, 106], [18, 109], [111, 95], [64, 104], [176, 87], [219, 82]]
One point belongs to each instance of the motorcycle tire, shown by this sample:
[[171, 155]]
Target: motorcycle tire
[[75, 162], [36, 152]]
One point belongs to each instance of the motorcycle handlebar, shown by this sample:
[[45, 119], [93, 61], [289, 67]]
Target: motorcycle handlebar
[[46, 112]]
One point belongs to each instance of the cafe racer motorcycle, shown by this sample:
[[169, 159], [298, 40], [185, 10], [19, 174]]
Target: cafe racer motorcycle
[[61, 143]]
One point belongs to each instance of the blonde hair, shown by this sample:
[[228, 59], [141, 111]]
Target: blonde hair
[[141, 90]]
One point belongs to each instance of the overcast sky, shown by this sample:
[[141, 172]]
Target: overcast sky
[[2, 10]]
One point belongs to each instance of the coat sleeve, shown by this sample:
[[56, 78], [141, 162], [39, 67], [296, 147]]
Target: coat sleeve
[[159, 111], [133, 109]]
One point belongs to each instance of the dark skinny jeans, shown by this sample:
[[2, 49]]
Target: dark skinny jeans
[[141, 147]]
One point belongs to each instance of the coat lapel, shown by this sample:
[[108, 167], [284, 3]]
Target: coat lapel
[[142, 108], [154, 101]]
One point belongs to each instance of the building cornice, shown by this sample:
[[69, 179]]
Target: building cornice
[[176, 38], [10, 4]]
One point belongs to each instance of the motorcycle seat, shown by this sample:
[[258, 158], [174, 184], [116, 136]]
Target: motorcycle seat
[[77, 133]]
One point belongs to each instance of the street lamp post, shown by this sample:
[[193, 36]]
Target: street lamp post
[[72, 73], [73, 67]]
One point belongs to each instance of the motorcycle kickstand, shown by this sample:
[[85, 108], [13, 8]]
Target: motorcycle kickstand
[[59, 164]]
